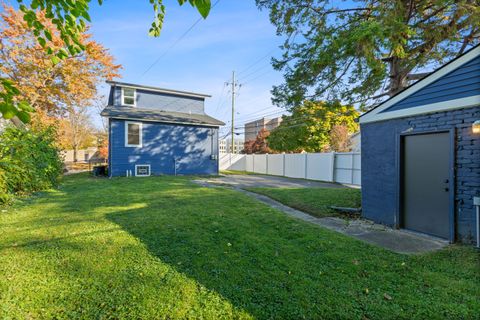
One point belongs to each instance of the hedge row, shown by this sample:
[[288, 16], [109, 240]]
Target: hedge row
[[29, 161]]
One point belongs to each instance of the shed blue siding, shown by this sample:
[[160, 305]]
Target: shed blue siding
[[192, 146], [460, 83], [161, 101], [380, 163]]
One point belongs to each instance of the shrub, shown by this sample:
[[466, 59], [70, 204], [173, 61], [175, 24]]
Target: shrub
[[29, 161]]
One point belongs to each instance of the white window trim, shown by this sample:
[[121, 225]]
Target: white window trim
[[140, 124], [143, 175], [134, 98]]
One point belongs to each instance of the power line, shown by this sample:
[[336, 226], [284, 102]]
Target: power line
[[261, 75], [253, 72], [256, 61], [260, 111], [277, 128], [290, 123], [176, 42], [259, 116], [245, 122], [256, 113], [220, 99]]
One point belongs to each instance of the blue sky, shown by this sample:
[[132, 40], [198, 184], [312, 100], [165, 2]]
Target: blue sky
[[236, 36]]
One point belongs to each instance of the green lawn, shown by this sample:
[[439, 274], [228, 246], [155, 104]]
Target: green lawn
[[316, 201], [166, 248]]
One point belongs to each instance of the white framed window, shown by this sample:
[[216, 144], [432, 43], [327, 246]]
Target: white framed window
[[133, 134], [129, 96], [142, 170]]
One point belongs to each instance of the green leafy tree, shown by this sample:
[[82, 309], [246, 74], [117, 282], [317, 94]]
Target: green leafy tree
[[29, 160], [362, 50], [309, 127], [70, 19]]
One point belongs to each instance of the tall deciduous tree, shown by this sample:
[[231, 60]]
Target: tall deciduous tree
[[70, 19], [76, 131], [48, 86], [355, 50], [309, 127], [339, 138], [259, 145]]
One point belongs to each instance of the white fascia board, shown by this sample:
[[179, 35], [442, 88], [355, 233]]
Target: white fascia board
[[470, 55], [468, 102], [163, 121], [161, 90]]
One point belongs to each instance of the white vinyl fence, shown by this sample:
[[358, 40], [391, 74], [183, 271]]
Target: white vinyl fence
[[332, 167]]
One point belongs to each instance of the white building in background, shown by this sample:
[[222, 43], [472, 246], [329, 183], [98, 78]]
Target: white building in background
[[224, 145], [253, 128], [83, 155]]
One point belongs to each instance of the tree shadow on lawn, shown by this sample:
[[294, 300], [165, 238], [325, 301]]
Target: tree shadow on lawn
[[273, 266], [258, 259]]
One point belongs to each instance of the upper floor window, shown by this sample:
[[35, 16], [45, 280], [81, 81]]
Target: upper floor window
[[128, 96], [133, 134]]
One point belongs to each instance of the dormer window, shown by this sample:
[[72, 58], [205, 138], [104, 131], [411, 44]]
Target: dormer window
[[128, 97]]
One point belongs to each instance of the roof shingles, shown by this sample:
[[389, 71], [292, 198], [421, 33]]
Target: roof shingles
[[159, 116]]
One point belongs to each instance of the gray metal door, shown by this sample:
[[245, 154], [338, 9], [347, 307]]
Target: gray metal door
[[425, 201]]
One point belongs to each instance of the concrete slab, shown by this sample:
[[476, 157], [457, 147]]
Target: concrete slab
[[265, 181], [399, 241]]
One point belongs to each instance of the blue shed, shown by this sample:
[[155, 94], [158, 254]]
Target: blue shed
[[156, 131], [421, 154]]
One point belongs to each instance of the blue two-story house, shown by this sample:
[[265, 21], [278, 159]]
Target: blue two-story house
[[156, 131]]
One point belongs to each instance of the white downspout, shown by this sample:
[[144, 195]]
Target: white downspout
[[476, 203]]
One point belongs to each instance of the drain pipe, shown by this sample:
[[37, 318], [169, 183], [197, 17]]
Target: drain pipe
[[476, 203]]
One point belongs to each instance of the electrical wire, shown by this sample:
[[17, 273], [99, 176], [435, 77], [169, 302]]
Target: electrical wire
[[256, 62], [176, 42]]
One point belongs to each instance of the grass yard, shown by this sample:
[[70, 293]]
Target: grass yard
[[163, 247], [315, 201]]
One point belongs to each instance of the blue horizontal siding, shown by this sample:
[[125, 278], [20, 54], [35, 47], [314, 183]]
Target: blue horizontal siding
[[460, 83], [162, 101], [192, 146]]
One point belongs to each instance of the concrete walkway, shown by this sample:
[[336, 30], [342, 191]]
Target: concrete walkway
[[266, 181], [399, 241]]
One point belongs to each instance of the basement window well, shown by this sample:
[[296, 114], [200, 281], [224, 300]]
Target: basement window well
[[142, 170]]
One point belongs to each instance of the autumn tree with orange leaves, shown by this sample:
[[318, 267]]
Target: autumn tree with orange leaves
[[259, 145], [50, 86]]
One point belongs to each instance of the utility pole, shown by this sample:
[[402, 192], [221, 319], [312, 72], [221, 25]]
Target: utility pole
[[234, 85]]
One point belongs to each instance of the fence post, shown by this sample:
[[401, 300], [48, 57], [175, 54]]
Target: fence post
[[266, 162], [333, 167], [253, 162], [284, 164], [306, 165], [352, 166]]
